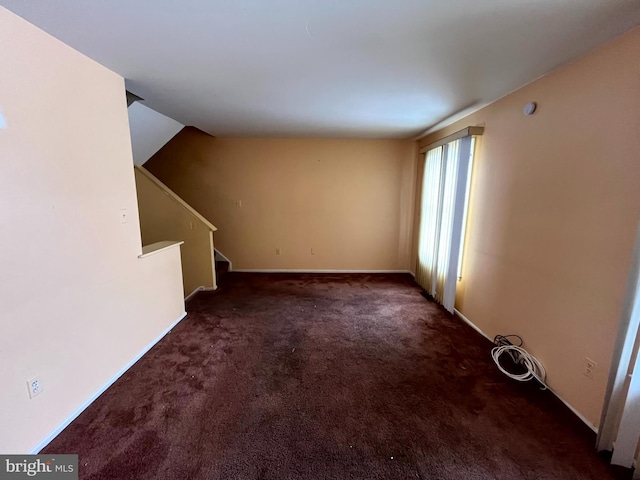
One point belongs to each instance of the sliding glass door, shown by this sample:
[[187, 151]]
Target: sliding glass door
[[445, 187]]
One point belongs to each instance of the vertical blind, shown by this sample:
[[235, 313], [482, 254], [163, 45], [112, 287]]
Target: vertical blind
[[445, 186]]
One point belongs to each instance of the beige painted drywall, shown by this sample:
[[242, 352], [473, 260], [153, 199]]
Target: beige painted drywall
[[163, 216], [554, 207], [351, 201], [76, 302]]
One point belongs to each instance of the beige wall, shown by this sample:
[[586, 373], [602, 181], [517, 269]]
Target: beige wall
[[349, 200], [76, 302], [162, 217], [553, 214]]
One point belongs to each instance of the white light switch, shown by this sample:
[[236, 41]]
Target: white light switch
[[124, 216]]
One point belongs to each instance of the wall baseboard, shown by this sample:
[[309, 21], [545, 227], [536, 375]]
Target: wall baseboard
[[199, 289], [192, 294], [311, 270], [471, 324], [46, 440], [568, 405]]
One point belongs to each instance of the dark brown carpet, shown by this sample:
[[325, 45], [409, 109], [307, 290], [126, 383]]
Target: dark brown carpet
[[325, 377]]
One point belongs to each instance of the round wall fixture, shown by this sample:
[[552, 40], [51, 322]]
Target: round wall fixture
[[529, 108]]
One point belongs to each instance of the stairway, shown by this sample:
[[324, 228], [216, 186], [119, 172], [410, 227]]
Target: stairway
[[222, 268], [163, 214]]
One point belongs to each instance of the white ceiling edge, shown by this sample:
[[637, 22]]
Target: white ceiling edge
[[331, 69], [459, 115], [470, 110], [462, 113], [150, 131]]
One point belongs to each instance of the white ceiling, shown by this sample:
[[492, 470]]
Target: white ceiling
[[348, 68]]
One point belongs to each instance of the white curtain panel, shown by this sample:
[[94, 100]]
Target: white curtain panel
[[429, 220], [442, 217]]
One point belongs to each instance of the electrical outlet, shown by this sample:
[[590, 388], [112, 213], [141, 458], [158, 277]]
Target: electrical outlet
[[589, 367], [35, 387], [238, 203], [277, 250]]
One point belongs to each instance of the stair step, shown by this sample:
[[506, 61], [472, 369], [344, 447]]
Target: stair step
[[222, 268]]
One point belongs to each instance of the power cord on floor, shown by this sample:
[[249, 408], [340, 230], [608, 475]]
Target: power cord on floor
[[520, 356]]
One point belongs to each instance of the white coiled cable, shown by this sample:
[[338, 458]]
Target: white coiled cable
[[531, 363]]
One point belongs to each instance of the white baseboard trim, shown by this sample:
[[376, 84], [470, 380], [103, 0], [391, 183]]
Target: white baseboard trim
[[224, 257], [569, 406], [311, 270], [199, 289], [577, 413], [46, 440], [190, 296], [471, 324]]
